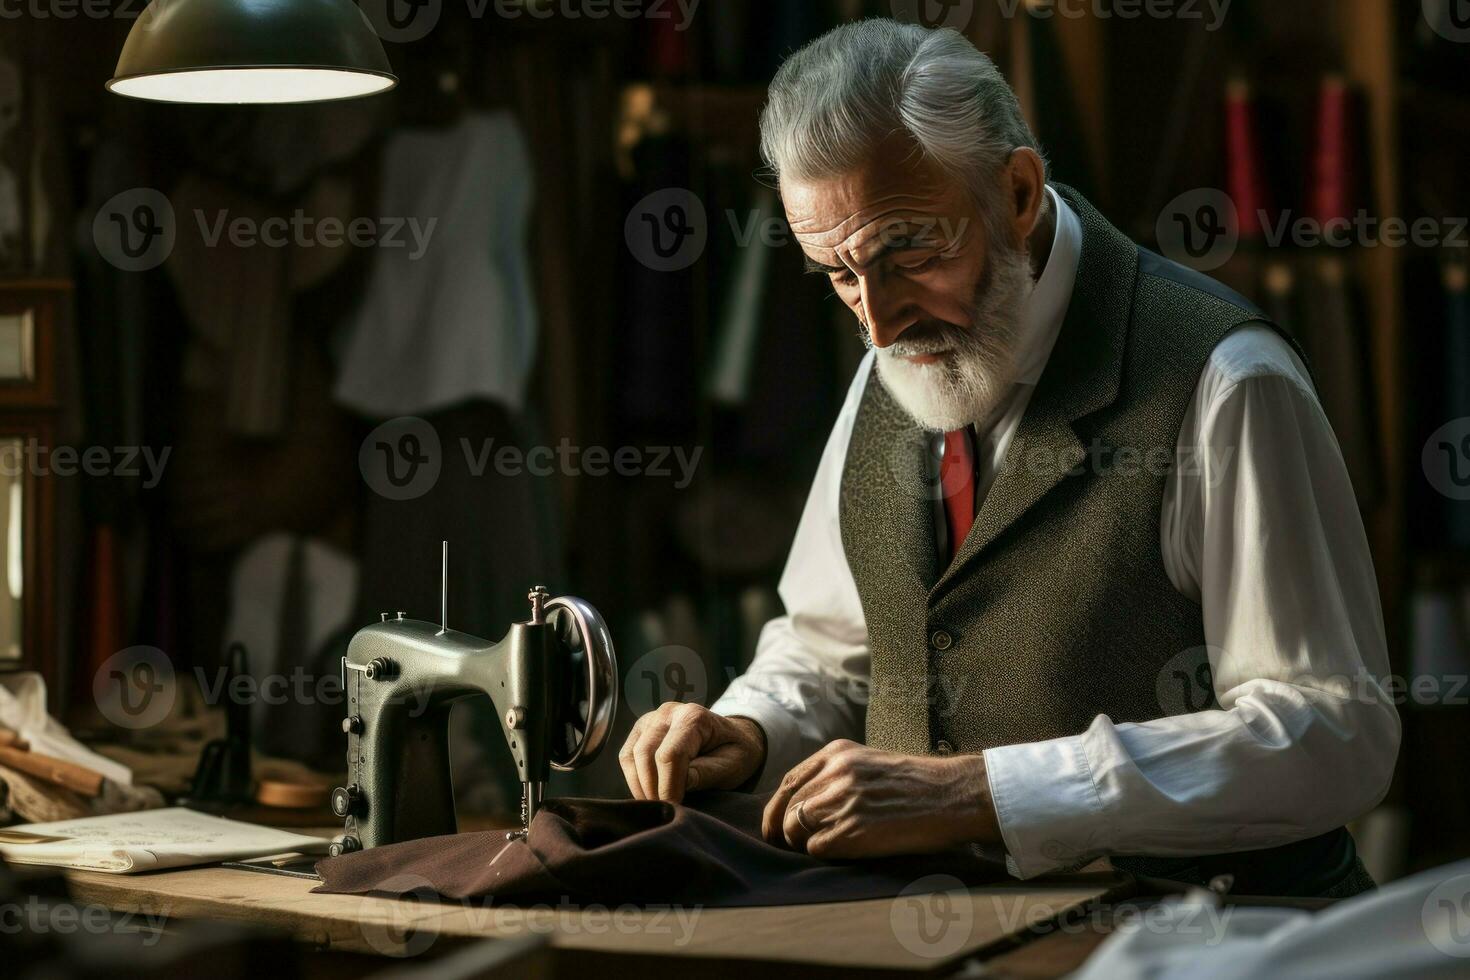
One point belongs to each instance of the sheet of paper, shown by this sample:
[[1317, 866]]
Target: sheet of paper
[[149, 840]]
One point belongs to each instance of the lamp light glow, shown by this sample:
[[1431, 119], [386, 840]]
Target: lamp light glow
[[251, 51]]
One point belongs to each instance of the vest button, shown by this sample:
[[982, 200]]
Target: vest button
[[941, 640], [944, 747]]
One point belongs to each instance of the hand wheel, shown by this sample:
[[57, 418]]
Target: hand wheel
[[593, 677]]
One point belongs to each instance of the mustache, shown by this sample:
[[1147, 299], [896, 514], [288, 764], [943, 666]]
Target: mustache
[[928, 338]]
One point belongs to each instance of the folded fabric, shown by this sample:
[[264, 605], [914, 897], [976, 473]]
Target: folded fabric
[[708, 853]]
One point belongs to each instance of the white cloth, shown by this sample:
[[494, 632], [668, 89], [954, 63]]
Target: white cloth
[[1265, 533], [1418, 927], [448, 314], [23, 711]]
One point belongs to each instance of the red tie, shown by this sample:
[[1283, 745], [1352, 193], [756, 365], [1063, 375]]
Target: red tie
[[957, 480]]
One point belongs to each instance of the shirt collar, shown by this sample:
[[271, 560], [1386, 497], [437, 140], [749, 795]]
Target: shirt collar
[[1046, 308]]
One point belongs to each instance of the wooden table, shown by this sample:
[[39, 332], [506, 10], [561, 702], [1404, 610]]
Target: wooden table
[[888, 937]]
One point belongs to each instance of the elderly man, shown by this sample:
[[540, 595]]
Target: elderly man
[[1081, 572]]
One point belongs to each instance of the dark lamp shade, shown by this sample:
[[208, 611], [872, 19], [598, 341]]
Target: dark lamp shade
[[251, 51]]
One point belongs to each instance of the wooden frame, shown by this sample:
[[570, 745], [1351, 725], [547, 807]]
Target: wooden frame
[[28, 411], [40, 301], [38, 527]]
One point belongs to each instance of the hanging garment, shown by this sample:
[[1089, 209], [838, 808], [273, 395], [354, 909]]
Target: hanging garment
[[448, 315], [707, 853], [237, 292]]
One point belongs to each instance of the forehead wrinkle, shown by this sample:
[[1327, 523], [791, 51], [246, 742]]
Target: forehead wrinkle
[[850, 226], [879, 238]]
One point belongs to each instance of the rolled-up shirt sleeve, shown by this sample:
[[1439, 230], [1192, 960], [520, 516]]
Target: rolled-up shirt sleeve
[[808, 682], [1265, 531]]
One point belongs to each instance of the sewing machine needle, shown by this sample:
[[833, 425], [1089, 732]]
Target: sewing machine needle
[[444, 588], [532, 793]]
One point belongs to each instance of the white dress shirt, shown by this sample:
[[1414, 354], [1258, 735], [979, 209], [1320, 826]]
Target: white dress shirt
[[1264, 533]]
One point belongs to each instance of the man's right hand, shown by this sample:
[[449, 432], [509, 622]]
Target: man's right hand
[[681, 747]]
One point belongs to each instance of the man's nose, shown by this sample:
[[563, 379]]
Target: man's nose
[[886, 307]]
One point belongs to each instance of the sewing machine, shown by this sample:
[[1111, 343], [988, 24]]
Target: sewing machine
[[553, 680]]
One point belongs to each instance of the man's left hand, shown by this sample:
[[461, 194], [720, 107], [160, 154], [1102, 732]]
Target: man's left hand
[[851, 801]]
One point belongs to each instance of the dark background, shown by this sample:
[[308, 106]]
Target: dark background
[[1129, 110]]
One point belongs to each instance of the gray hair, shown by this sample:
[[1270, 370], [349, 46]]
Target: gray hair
[[843, 93]]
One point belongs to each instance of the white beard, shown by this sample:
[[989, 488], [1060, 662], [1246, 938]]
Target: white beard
[[971, 382]]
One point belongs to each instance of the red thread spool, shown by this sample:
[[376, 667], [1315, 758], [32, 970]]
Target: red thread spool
[[1333, 178], [1245, 178]]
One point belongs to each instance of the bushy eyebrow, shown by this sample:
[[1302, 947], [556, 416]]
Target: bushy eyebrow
[[898, 245], [817, 268]]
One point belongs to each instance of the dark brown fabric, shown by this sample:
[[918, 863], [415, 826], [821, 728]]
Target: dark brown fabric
[[627, 852]]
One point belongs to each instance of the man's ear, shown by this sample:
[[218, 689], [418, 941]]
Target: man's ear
[[1027, 179]]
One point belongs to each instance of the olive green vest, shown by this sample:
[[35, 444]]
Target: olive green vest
[[1057, 607]]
